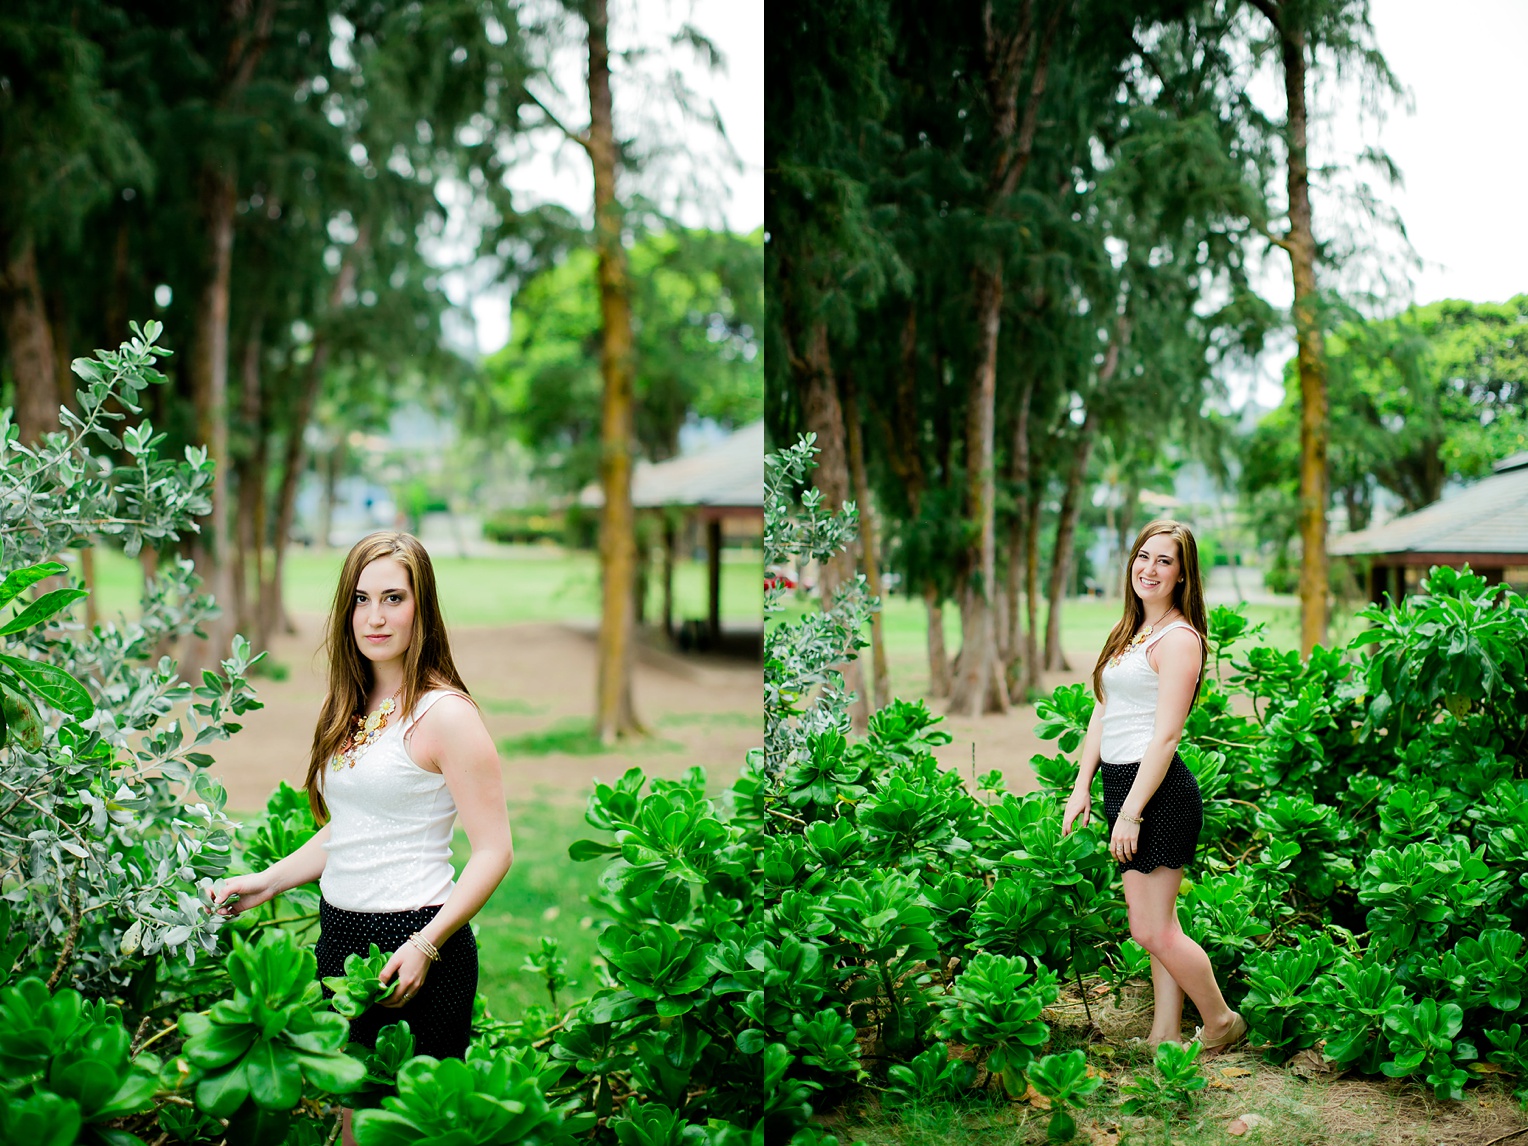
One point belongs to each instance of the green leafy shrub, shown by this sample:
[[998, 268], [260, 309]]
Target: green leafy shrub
[[1172, 1088], [257, 1053], [105, 748], [1279, 1009], [361, 985], [932, 1076], [838, 910], [67, 1066], [489, 1100], [1065, 1080], [1424, 1039], [996, 1005]]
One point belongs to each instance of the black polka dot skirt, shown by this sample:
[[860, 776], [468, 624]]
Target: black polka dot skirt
[[440, 1015], [1173, 817]]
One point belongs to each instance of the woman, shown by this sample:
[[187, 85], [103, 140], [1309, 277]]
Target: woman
[[1146, 680], [400, 750]]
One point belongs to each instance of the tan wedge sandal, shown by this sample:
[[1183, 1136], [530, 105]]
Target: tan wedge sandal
[[1236, 1034]]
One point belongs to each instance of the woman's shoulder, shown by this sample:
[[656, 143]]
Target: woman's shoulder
[[444, 698], [444, 720], [1181, 633], [1179, 645]]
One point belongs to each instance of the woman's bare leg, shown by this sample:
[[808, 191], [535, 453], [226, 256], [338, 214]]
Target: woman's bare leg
[[1167, 1005], [1152, 900], [347, 1134]]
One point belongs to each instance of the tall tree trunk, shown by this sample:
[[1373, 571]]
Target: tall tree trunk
[[1124, 526], [824, 416], [249, 472], [869, 551], [30, 338], [295, 456], [217, 198], [116, 301], [614, 715], [978, 685], [1016, 666], [938, 657], [906, 461], [1066, 532], [209, 395], [1071, 501], [1032, 593], [1300, 242], [334, 469]]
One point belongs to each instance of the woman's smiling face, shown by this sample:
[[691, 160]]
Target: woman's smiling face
[[1156, 573], [383, 616]]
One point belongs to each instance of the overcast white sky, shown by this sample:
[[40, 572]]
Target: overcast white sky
[[703, 188], [1461, 151], [1461, 155]]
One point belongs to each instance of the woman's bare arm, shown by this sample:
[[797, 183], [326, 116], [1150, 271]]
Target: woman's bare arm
[[1177, 665], [451, 738], [303, 866], [457, 743]]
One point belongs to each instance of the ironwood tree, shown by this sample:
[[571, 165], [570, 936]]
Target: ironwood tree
[[1301, 32], [265, 178], [611, 157]]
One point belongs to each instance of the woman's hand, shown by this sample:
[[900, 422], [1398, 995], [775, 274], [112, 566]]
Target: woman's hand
[[411, 965], [243, 892], [1124, 838], [1080, 804]]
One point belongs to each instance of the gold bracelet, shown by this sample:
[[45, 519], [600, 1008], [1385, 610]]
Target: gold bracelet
[[426, 946], [1132, 819]]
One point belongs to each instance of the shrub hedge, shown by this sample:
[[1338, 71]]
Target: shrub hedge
[[845, 915]]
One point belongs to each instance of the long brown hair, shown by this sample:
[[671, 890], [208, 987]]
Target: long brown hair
[[1188, 598], [427, 662]]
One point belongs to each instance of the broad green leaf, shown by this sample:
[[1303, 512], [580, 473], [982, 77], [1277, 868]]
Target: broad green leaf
[[41, 609], [223, 1093], [335, 1073], [275, 1078], [23, 579], [581, 850], [19, 722], [56, 687]]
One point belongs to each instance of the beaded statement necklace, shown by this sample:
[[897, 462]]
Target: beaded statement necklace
[[364, 733], [1131, 645]]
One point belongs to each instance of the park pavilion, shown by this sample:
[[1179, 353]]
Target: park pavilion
[[716, 492], [1484, 524]]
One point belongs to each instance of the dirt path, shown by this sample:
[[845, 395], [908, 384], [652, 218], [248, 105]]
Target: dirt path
[[527, 678], [530, 678], [1002, 742]]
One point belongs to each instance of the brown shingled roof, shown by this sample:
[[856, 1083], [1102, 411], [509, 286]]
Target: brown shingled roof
[[1490, 516]]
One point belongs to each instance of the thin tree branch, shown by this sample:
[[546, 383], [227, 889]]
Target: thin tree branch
[[552, 119], [72, 938], [1276, 240], [1271, 10]]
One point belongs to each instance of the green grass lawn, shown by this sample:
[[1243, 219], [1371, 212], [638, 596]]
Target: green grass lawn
[[545, 893], [534, 584], [1085, 624]]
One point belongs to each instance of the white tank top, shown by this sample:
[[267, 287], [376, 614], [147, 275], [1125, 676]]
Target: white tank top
[[1130, 702], [390, 826]]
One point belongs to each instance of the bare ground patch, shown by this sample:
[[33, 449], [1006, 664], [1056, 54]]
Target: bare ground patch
[[527, 678]]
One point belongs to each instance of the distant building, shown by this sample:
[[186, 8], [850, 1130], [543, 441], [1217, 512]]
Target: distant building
[[718, 488], [1485, 524]]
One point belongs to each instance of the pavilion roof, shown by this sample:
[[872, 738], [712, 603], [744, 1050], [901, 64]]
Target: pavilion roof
[[1487, 518], [727, 473]]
